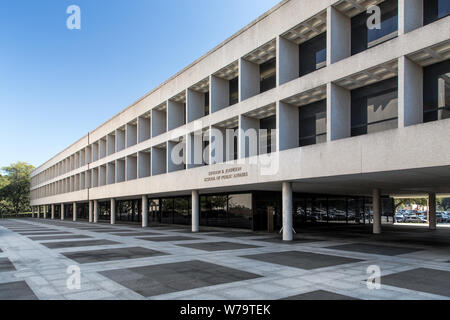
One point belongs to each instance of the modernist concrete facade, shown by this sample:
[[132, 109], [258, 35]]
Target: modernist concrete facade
[[359, 115]]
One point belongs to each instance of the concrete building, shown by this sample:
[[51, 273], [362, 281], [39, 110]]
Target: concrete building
[[308, 114]]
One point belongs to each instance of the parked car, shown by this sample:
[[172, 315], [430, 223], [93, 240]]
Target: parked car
[[400, 217], [414, 219], [441, 217]]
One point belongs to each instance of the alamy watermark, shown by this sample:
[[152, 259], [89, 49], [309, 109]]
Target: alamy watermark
[[73, 22], [74, 279], [374, 280]]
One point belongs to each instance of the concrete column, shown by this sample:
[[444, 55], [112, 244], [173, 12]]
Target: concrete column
[[53, 212], [288, 60], [376, 211], [74, 210], [45, 212], [410, 93], [195, 211], [248, 79], [95, 211], [338, 36], [287, 125], [248, 136], [38, 211], [159, 122], [91, 213], [410, 15], [432, 211], [219, 94], [113, 211], [144, 211], [62, 211], [287, 212], [32, 212], [175, 115], [338, 112]]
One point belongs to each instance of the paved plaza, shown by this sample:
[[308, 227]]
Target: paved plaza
[[168, 262]]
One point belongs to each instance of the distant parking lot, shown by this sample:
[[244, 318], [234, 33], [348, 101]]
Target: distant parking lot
[[414, 216]]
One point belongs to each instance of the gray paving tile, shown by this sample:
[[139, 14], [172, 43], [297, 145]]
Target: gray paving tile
[[6, 265], [302, 260], [112, 254], [74, 244], [218, 246], [319, 295], [233, 234], [34, 230], [167, 238], [296, 241], [422, 279], [374, 249], [173, 277], [110, 230], [134, 234], [16, 291], [57, 237], [43, 233]]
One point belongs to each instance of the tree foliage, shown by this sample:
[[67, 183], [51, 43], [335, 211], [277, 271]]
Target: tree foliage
[[15, 188], [404, 202], [444, 203]]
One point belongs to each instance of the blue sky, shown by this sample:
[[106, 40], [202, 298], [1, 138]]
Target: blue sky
[[57, 84]]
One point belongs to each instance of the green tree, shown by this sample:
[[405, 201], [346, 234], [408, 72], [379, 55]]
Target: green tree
[[444, 203], [15, 187], [403, 202]]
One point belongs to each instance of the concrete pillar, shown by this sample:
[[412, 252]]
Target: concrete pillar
[[287, 212], [410, 93], [195, 105], [74, 210], [287, 125], [91, 212], [159, 122], [410, 15], [338, 36], [376, 211], [95, 211], [113, 211], [432, 211], [38, 211], [62, 211], [249, 79], [53, 212], [45, 212], [248, 137], [288, 60], [32, 212], [144, 211], [338, 112], [195, 211], [175, 114], [219, 94]]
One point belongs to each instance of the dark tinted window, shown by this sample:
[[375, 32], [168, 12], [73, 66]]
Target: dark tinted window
[[364, 38], [435, 10], [313, 123], [166, 210], [206, 103], [436, 91], [375, 107], [265, 137], [268, 76], [313, 54], [182, 212], [234, 91], [240, 210]]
